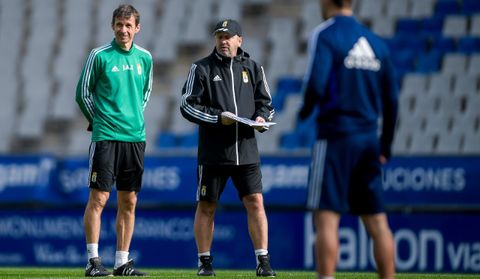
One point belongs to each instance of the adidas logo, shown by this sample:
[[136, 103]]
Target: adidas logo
[[362, 57], [217, 78], [115, 69]]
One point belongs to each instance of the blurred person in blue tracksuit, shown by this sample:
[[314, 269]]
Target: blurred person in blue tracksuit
[[350, 82]]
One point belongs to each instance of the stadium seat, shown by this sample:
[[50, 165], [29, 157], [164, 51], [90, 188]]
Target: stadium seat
[[383, 26], [451, 105], [401, 142], [148, 11], [254, 46], [442, 44], [302, 137], [167, 140], [475, 25], [454, 63], [431, 26], [440, 84], [446, 7], [429, 62], [397, 9], [455, 26], [196, 31], [474, 65], [470, 143], [228, 9], [188, 140], [285, 86], [469, 45], [422, 8], [449, 144], [406, 103], [311, 17], [465, 85], [369, 9], [169, 28], [421, 144], [408, 27], [437, 124], [461, 123], [411, 123], [470, 7], [425, 105], [472, 103], [414, 84]]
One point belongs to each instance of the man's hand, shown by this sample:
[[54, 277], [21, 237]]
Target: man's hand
[[260, 119], [383, 160]]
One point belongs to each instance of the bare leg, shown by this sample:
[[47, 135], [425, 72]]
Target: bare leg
[[257, 220], [204, 225], [93, 213], [383, 244], [125, 219], [326, 249]]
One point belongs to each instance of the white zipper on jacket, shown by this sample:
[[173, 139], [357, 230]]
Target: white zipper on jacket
[[236, 112]]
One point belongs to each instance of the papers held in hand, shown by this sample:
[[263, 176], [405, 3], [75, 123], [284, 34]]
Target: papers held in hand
[[247, 121]]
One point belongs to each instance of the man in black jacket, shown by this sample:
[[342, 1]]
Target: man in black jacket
[[228, 81]]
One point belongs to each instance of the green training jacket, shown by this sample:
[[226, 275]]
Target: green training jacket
[[113, 90]]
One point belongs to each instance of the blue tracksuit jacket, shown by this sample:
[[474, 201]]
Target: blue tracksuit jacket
[[351, 81]]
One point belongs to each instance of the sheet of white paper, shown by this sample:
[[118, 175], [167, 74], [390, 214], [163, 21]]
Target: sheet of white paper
[[247, 121]]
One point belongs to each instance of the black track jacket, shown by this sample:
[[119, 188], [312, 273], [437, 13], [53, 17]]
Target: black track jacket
[[216, 84]]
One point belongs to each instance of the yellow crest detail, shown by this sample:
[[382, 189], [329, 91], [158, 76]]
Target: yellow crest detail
[[139, 69], [203, 191], [245, 76], [94, 177], [224, 24]]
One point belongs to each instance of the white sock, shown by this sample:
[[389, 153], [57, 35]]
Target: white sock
[[92, 250], [202, 254], [325, 277], [121, 258], [260, 252]]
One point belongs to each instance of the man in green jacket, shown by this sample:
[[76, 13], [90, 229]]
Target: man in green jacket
[[112, 92]]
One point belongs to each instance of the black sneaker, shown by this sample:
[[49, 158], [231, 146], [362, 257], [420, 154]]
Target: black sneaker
[[206, 268], [95, 268], [263, 268], [128, 270]]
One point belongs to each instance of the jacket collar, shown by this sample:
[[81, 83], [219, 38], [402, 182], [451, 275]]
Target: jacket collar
[[241, 56]]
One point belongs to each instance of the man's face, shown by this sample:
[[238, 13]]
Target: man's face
[[125, 29], [226, 44]]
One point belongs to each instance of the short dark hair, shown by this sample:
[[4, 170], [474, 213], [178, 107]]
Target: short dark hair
[[126, 11], [342, 3]]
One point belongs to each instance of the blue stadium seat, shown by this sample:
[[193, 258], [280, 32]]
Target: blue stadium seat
[[303, 136], [471, 7], [432, 26], [404, 41], [469, 45], [285, 86], [189, 140], [447, 7], [407, 26], [429, 62], [442, 44], [404, 59], [290, 141], [166, 140]]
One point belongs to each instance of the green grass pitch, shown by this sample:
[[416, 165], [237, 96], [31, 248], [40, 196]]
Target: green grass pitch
[[45, 273]]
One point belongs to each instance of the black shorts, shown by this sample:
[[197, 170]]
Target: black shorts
[[213, 178], [115, 162]]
